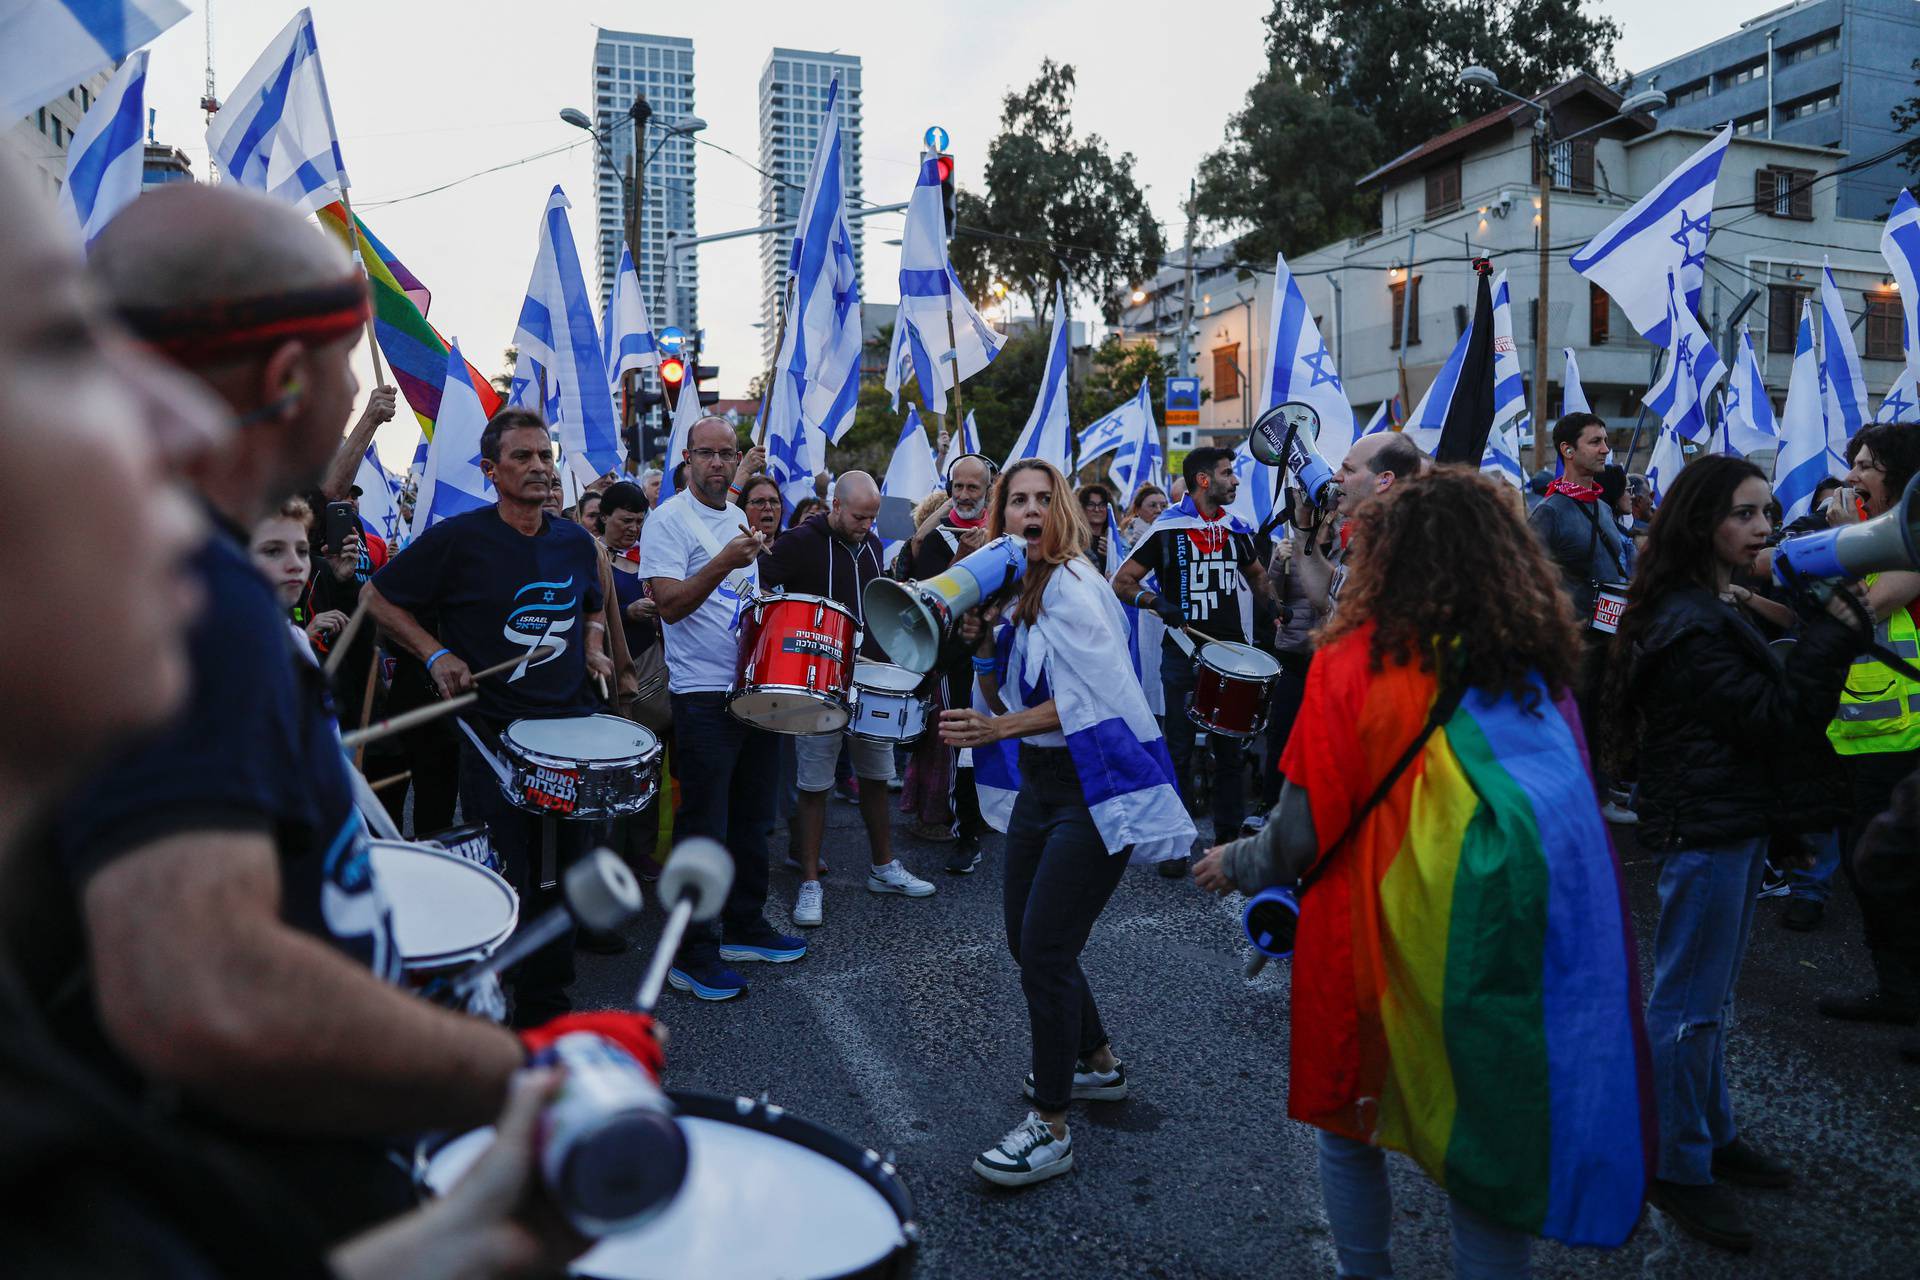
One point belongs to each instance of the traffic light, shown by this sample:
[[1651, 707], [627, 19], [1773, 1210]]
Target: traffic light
[[656, 432], [943, 165], [673, 372], [703, 374]]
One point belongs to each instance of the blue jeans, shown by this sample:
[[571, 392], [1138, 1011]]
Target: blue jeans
[[1706, 912], [1816, 882], [1059, 876], [726, 768], [1229, 773], [1353, 1183]]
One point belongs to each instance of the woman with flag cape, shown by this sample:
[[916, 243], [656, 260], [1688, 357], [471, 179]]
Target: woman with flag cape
[[1052, 726], [1463, 973]]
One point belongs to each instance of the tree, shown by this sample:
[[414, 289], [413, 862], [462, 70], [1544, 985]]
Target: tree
[[1059, 207], [1350, 84], [1905, 116], [1118, 367]]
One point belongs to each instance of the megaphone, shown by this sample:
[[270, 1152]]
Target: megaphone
[[1283, 436], [1271, 919], [910, 619], [1891, 540]]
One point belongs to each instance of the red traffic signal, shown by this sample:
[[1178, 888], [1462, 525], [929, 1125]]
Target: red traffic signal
[[949, 200], [943, 165], [673, 372]]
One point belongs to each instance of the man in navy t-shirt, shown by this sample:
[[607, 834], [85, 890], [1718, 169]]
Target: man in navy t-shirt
[[506, 582]]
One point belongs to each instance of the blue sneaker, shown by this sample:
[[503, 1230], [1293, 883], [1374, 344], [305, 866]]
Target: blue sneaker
[[707, 981], [762, 942]]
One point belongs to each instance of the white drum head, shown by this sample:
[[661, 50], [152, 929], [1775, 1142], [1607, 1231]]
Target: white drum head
[[884, 677], [1239, 660], [752, 1206], [583, 738], [444, 906]]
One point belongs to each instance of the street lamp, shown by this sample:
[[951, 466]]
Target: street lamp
[[1544, 142], [633, 181], [1139, 296]]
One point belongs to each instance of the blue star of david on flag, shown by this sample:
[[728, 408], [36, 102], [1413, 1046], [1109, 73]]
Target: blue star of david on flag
[[1690, 227], [1318, 361]]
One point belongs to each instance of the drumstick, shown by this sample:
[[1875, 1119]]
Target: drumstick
[[764, 548], [392, 781], [338, 653], [538, 651], [420, 715], [1200, 638], [663, 953]]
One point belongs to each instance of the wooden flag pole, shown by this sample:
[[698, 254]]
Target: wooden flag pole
[[359, 260], [773, 370]]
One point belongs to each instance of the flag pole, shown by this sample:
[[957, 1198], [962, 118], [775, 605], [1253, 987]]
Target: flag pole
[[773, 370], [953, 356], [359, 260]]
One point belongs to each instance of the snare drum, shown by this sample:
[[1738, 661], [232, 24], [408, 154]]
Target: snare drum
[[886, 708], [448, 913], [795, 672], [1230, 689], [586, 768], [1609, 602], [816, 1206]]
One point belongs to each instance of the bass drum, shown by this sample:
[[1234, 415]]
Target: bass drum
[[766, 1194]]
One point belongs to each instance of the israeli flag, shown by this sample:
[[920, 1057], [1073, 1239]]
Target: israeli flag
[[418, 467], [969, 435], [627, 342], [1573, 397], [910, 477], [1501, 457], [49, 46], [1900, 404], [275, 132], [1749, 413], [1253, 500], [452, 482], [1300, 367], [929, 291], [1103, 435], [1047, 433], [107, 155], [1900, 245], [1664, 233], [1378, 422], [1846, 396], [379, 499], [1667, 460], [559, 346], [1430, 415], [1693, 369], [1804, 459], [685, 414], [1139, 460]]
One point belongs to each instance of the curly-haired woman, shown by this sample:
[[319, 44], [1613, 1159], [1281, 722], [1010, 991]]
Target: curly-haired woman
[[1463, 986], [1715, 715]]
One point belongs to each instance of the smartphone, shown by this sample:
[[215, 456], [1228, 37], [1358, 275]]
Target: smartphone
[[341, 522]]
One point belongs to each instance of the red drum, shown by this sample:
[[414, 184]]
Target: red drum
[[1230, 689], [1609, 602], [796, 665]]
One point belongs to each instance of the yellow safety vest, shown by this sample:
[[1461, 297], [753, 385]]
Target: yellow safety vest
[[1880, 707]]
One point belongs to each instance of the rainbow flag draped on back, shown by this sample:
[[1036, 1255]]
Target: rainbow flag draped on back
[[414, 349], [1464, 985]]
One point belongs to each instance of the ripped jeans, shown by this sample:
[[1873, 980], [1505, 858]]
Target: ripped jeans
[[1706, 912]]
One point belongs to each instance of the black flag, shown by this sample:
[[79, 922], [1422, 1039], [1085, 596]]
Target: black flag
[[1463, 437]]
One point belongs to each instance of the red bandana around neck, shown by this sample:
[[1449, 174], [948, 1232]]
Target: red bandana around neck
[[1578, 492]]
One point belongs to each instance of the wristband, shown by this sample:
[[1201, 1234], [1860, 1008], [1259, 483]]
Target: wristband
[[435, 656], [983, 666], [1138, 595]]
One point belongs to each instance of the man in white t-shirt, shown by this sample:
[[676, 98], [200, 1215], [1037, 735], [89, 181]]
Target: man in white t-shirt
[[698, 558]]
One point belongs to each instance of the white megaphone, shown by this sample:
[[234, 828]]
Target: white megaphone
[[1283, 437], [1891, 540], [910, 619]]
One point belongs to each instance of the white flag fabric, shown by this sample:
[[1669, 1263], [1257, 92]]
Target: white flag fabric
[[627, 342], [1139, 460], [1300, 367], [1378, 422], [1573, 397], [275, 132], [1665, 232], [1430, 414], [1900, 245], [106, 157], [969, 435], [910, 477], [1846, 380], [929, 288], [1900, 403], [1750, 422], [379, 499], [1690, 373], [1047, 433], [1501, 456], [1667, 460], [559, 347], [820, 350], [1804, 459], [685, 414], [452, 482], [49, 46]]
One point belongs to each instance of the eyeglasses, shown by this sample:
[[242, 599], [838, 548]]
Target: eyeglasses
[[703, 456], [764, 502]]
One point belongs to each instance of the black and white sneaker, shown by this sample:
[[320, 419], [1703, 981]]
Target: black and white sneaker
[[1092, 1086], [1028, 1154], [1773, 881], [965, 856]]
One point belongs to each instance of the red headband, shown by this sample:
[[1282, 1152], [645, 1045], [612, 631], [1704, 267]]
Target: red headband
[[205, 332]]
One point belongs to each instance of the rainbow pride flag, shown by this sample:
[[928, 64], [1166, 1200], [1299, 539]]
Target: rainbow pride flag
[[415, 351], [1464, 985]]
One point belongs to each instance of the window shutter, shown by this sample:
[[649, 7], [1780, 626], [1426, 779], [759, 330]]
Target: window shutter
[[1226, 376], [1583, 166], [1599, 316], [1763, 190], [1800, 194]]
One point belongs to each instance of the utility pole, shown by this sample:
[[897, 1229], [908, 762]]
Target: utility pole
[[1407, 302], [1541, 451], [1186, 302], [640, 112]]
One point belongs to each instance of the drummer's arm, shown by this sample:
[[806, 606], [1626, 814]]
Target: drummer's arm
[[679, 597], [203, 987], [1126, 581], [400, 625]]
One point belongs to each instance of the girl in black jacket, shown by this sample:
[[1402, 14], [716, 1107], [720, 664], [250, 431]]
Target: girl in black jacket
[[1714, 714]]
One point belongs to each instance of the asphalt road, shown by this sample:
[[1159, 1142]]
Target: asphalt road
[[904, 1029]]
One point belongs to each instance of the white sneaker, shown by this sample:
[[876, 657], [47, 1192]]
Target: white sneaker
[[1090, 1085], [894, 878], [1028, 1154], [1618, 814], [807, 903]]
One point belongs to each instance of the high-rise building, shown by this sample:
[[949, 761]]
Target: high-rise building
[[1827, 73], [793, 94], [627, 65], [41, 138]]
